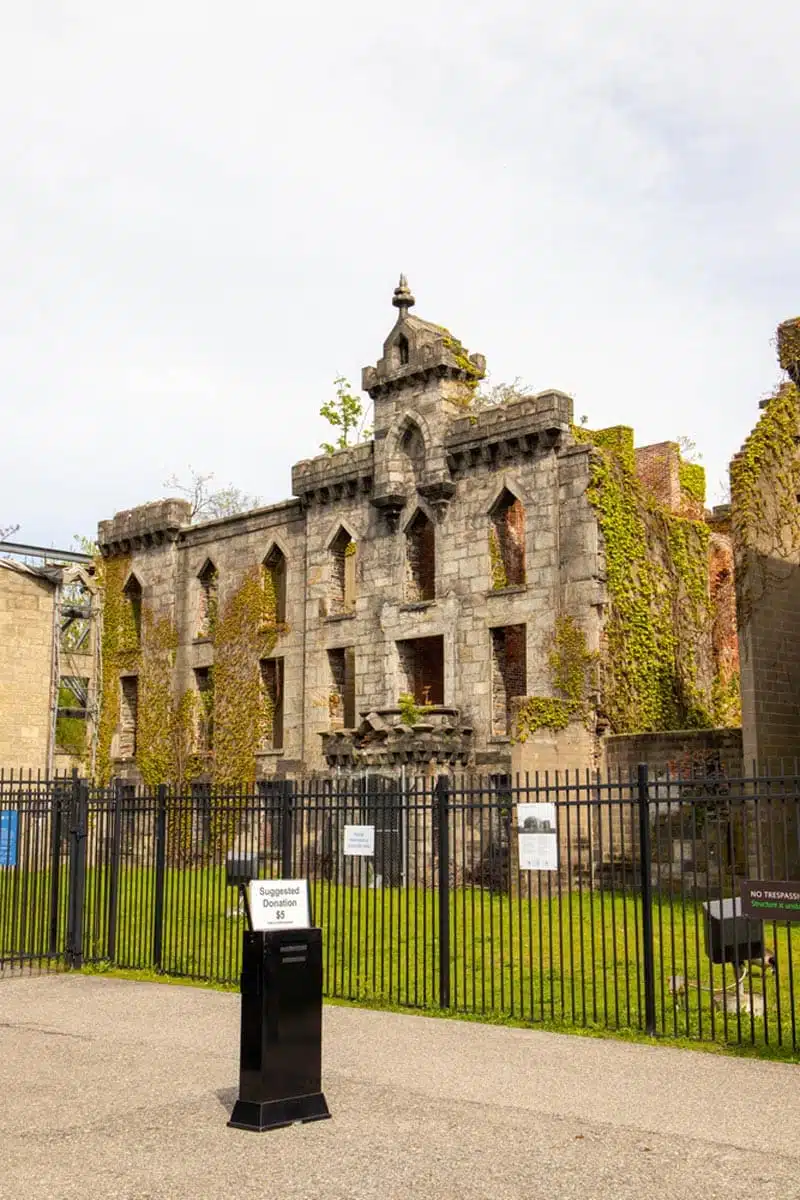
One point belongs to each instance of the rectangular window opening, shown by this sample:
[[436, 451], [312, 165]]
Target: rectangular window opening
[[129, 715], [422, 669], [509, 675], [272, 682], [342, 696], [204, 682]]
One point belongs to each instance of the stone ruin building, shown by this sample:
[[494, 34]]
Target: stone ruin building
[[462, 559]]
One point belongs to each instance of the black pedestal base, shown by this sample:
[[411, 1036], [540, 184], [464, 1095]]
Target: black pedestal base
[[277, 1114]]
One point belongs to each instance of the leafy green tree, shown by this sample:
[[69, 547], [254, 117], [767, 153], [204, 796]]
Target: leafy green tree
[[347, 414]]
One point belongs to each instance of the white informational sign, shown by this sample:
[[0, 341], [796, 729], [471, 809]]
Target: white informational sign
[[359, 839], [538, 839], [280, 904]]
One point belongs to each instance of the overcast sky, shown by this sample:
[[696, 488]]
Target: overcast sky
[[204, 208]]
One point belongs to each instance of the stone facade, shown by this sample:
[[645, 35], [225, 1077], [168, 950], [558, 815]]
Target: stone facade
[[27, 615], [48, 644], [765, 483], [429, 563]]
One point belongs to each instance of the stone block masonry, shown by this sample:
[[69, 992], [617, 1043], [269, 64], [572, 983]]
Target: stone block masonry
[[432, 562]]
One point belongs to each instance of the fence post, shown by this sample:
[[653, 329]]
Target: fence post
[[55, 864], [161, 856], [646, 872], [287, 832], [441, 798], [113, 880], [77, 870]]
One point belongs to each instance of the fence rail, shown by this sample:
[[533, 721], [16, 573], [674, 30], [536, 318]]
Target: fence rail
[[595, 910]]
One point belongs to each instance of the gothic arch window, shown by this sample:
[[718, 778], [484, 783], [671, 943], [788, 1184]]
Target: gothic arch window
[[132, 594], [275, 582], [402, 349], [209, 592], [507, 541], [420, 558], [342, 574]]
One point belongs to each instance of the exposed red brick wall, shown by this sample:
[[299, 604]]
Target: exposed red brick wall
[[657, 467]]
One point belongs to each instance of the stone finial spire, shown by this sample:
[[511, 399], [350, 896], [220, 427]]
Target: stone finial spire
[[402, 298]]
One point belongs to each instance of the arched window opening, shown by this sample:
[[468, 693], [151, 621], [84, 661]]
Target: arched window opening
[[209, 579], [275, 583], [507, 542], [343, 574], [402, 347], [420, 559], [133, 600]]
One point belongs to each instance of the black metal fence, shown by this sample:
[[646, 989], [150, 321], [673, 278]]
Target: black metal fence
[[605, 908]]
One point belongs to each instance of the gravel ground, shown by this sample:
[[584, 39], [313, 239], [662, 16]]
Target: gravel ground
[[121, 1089]]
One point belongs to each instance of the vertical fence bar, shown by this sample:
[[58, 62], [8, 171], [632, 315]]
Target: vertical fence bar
[[645, 868], [113, 882], [55, 865], [441, 799], [77, 870], [161, 857], [287, 832]]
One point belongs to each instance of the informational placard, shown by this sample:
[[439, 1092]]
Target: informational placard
[[359, 839], [280, 904], [771, 900], [9, 832], [538, 840]]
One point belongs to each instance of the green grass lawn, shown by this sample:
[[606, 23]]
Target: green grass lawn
[[559, 958]]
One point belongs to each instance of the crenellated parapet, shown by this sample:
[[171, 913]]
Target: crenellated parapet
[[147, 525], [517, 427], [330, 477]]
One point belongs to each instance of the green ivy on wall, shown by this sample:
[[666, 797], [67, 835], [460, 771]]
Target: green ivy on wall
[[767, 519], [657, 574], [571, 663], [244, 631]]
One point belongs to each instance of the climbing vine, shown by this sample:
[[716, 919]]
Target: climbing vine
[[473, 374], [657, 668], [498, 566], [246, 632], [692, 478], [766, 518], [571, 663]]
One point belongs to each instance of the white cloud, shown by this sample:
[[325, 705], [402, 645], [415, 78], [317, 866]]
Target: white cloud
[[204, 209]]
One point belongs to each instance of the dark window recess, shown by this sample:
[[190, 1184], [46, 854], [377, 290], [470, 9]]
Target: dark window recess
[[204, 680], [343, 574], [509, 673], [507, 542], [129, 715], [209, 579], [275, 581], [133, 597], [420, 559], [272, 678], [342, 696], [402, 346], [422, 669]]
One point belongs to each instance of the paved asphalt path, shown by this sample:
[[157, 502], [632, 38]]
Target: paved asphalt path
[[118, 1089]]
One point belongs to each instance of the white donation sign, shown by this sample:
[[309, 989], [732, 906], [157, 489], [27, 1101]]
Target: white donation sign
[[538, 840], [280, 904], [359, 839]]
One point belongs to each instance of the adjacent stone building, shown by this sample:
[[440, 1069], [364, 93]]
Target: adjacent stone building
[[471, 576], [47, 667], [765, 487]]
